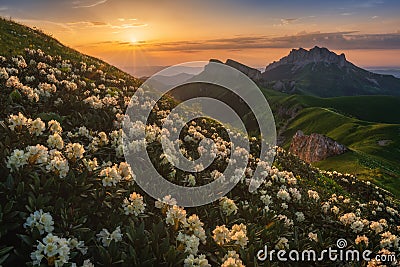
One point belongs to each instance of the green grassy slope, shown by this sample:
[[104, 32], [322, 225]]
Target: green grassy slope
[[357, 122], [14, 38], [383, 109]]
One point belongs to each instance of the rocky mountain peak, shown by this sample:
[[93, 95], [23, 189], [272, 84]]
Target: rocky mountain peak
[[300, 57]]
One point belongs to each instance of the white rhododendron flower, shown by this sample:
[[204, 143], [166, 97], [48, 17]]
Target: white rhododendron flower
[[55, 141], [17, 121], [58, 164], [3, 74], [313, 194], [313, 237], [74, 151], [91, 164], [105, 237], [389, 240], [228, 206], [165, 202], [232, 259], [40, 220], [283, 243], [55, 127], [360, 239], [111, 176], [191, 242], [134, 205], [221, 235], [283, 194], [126, 172], [17, 159], [192, 261], [175, 216], [79, 245], [300, 216], [195, 226], [37, 154], [52, 248], [87, 263], [237, 235]]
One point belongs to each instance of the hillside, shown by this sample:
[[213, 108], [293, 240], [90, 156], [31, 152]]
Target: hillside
[[381, 109], [362, 123], [15, 38], [67, 197]]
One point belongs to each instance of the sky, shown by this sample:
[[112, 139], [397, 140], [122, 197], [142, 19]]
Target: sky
[[137, 33]]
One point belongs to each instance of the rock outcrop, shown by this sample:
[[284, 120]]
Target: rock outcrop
[[301, 57], [315, 147]]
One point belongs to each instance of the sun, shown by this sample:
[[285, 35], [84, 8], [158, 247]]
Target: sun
[[133, 40]]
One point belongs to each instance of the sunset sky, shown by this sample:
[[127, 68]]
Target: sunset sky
[[147, 33]]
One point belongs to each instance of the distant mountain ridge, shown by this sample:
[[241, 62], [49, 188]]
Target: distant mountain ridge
[[301, 57], [320, 72]]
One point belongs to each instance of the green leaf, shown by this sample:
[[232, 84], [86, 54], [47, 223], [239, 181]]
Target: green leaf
[[5, 250], [15, 96], [8, 207], [3, 258], [26, 239]]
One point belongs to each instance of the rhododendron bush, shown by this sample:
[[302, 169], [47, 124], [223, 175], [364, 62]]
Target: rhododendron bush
[[68, 198]]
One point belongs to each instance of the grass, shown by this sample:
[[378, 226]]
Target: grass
[[384, 109], [359, 122], [367, 158], [15, 38]]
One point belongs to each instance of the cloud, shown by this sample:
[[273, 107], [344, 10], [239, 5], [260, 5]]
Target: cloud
[[288, 21], [347, 14], [3, 8], [64, 26], [87, 4], [128, 25], [370, 3], [331, 40], [89, 24], [124, 19]]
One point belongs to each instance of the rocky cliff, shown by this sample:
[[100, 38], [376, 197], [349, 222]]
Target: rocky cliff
[[315, 147], [301, 57]]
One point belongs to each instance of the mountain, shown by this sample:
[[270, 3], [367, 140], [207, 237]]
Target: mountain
[[320, 72], [360, 123], [253, 74], [64, 182]]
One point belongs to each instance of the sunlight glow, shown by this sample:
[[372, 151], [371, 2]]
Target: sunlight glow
[[133, 40]]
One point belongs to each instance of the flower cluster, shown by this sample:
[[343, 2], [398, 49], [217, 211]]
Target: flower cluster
[[134, 205], [228, 206], [237, 235], [57, 250], [40, 220]]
